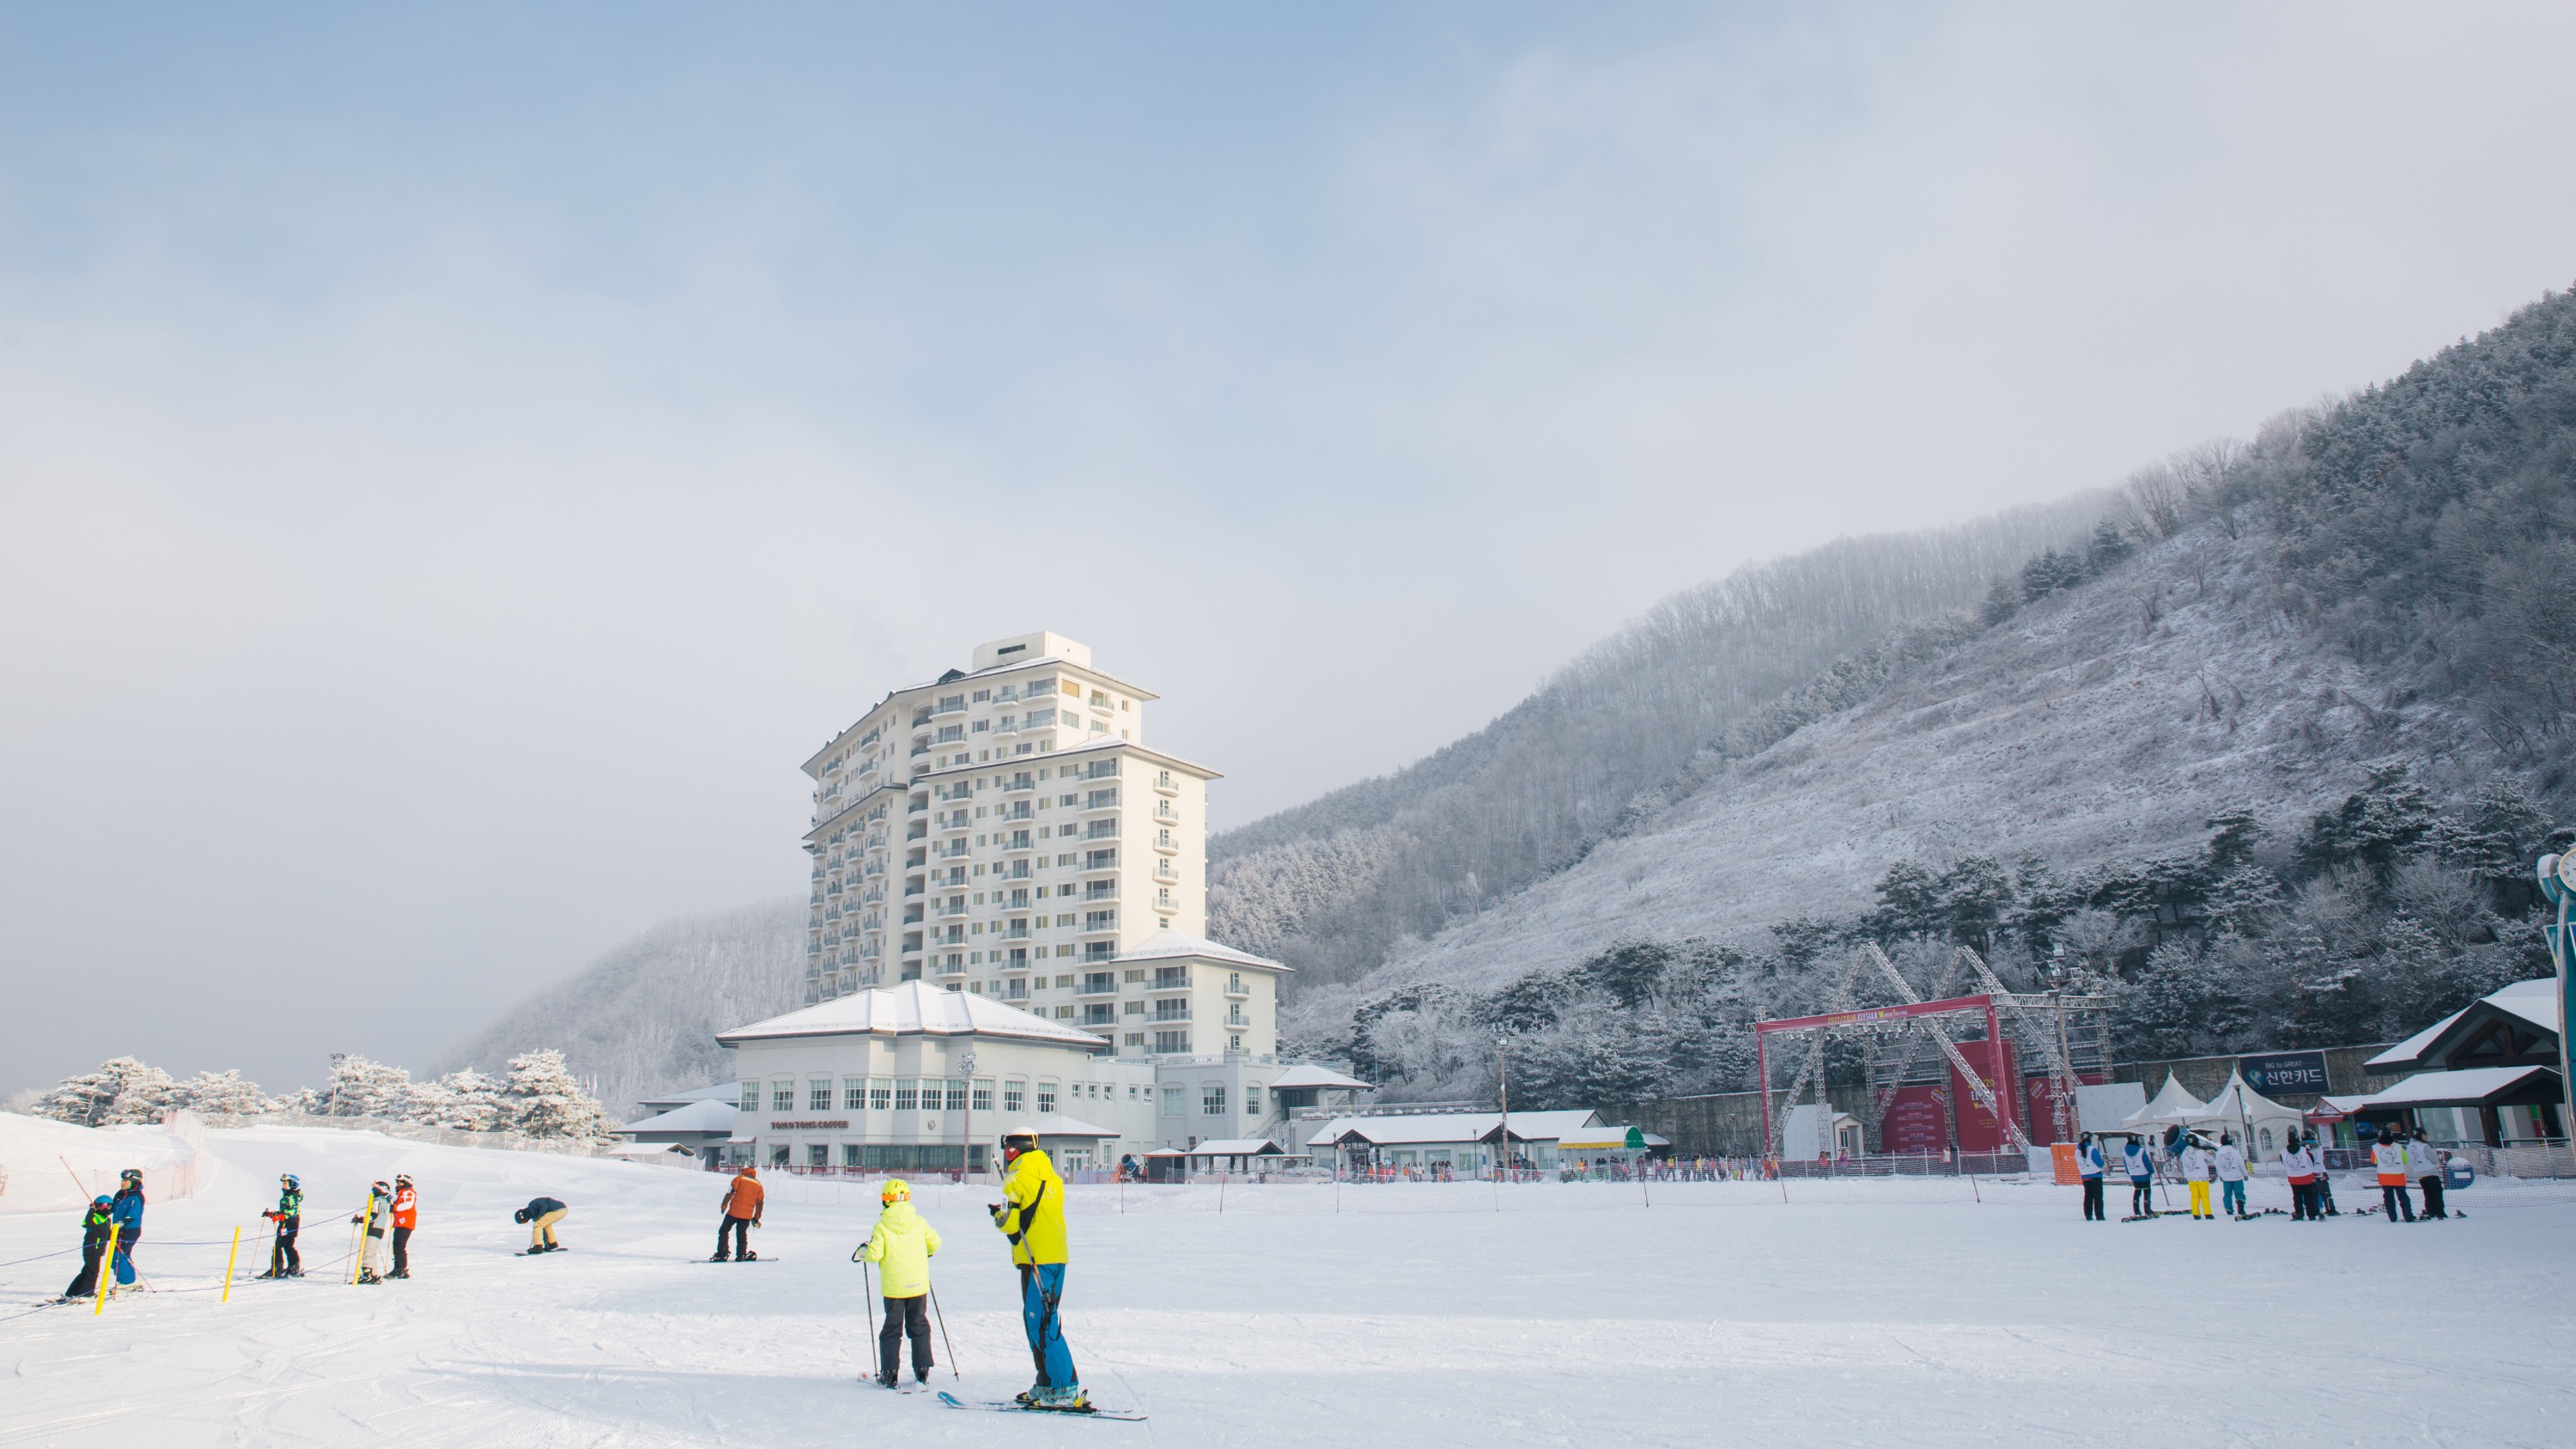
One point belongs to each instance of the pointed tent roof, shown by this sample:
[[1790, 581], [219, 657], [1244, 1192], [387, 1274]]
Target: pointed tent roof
[[2172, 1105], [2237, 1102], [913, 1008]]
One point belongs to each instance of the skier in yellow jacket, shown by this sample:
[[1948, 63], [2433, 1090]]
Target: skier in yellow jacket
[[901, 1244], [1031, 1215]]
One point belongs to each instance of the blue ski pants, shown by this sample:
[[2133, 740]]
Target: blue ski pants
[[2231, 1198], [125, 1259], [1041, 1290]]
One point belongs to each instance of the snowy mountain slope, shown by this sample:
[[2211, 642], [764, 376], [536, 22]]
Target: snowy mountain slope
[[643, 1017], [2111, 721]]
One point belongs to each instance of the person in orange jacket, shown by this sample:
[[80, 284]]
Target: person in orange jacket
[[406, 1217], [741, 1214]]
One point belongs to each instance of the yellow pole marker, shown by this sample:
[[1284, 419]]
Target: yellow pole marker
[[358, 1240], [229, 1259], [106, 1270]]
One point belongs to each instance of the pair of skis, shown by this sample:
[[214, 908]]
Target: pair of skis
[[1014, 1406]]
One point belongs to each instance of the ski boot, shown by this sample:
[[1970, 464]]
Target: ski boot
[[1067, 1400], [368, 1275]]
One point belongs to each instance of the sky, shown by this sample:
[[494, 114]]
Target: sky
[[457, 462]]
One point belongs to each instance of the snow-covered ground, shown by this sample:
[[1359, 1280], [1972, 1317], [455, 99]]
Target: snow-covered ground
[[1889, 1312]]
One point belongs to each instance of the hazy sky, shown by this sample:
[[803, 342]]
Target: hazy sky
[[453, 470]]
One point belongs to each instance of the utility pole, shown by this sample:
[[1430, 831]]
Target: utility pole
[[1503, 1065], [966, 1152], [2558, 884]]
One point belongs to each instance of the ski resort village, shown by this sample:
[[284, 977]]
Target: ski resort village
[[1374, 726]]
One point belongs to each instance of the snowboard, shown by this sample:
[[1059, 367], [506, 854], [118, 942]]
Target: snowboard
[[1013, 1406], [763, 1258]]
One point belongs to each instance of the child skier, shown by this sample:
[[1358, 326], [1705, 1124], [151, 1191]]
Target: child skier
[[98, 1223], [742, 1204], [2388, 1160], [127, 1209], [2230, 1164], [2299, 1163], [1031, 1215], [2195, 1173], [2141, 1165], [406, 1217], [541, 1214], [372, 1266], [283, 1260], [2088, 1161], [902, 1245], [2424, 1164]]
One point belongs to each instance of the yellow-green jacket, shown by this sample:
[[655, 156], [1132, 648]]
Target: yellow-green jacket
[[1032, 1211], [902, 1243]]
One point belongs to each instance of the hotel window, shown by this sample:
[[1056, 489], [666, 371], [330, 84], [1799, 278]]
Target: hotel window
[[880, 1094], [1135, 1038], [854, 1094], [818, 1154], [1046, 1097], [983, 1094], [782, 1096], [751, 1096], [907, 1094], [1252, 1099], [1212, 1099], [957, 1094], [849, 1154], [778, 1155], [1173, 1105], [1015, 1095], [818, 1095]]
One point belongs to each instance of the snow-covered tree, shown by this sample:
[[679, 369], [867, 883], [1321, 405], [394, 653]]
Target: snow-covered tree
[[361, 1088], [543, 1100], [465, 1101], [304, 1100], [121, 1091], [225, 1094]]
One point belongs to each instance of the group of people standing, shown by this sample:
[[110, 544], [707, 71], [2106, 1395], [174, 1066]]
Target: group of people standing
[[2396, 1158], [110, 1227]]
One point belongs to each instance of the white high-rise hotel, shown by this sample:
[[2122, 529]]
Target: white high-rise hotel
[[1005, 831]]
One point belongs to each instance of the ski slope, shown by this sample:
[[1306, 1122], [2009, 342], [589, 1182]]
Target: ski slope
[[1888, 1312]]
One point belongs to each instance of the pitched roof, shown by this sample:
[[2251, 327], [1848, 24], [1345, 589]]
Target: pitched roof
[[2471, 1087], [1070, 1127], [711, 1092], [913, 1008], [695, 1117], [1307, 1074], [1404, 1129], [1167, 944], [2534, 1003], [1239, 1147]]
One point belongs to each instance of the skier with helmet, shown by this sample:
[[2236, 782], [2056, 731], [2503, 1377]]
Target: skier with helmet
[[406, 1217], [1031, 1215], [742, 1204], [283, 1260], [901, 1245], [98, 1224], [127, 1210], [372, 1266]]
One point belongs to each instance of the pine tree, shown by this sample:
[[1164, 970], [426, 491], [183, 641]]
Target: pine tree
[[361, 1088], [222, 1094], [121, 1092], [543, 1100]]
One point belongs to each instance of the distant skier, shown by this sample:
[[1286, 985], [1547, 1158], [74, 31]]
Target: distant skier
[[2388, 1160], [2424, 1164], [902, 1245], [2195, 1174], [2088, 1161], [2140, 1164], [1031, 1215], [288, 1215], [406, 1217], [98, 1222], [742, 1205], [541, 1214], [2299, 1164], [2229, 1162], [372, 1266], [127, 1209]]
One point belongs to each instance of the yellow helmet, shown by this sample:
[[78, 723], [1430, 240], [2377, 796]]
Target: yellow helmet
[[896, 1190]]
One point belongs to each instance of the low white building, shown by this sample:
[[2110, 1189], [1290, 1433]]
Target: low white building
[[1460, 1141]]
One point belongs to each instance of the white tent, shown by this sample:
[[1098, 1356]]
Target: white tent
[[2261, 1123], [2172, 1107]]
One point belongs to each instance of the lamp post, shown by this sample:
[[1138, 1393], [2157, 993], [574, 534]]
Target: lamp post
[[1503, 1068], [2558, 885], [966, 1150]]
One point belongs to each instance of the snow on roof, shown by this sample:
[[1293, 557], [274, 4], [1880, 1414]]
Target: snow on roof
[[1617, 1138], [2470, 1086], [1400, 1130], [1238, 1147], [913, 1008], [1074, 1127], [695, 1117], [1307, 1074], [2173, 1104], [1169, 943], [2405, 1053], [2535, 1001], [711, 1092]]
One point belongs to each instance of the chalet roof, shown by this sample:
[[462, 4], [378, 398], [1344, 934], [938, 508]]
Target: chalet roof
[[2529, 1006], [2472, 1087], [913, 1008], [1239, 1147]]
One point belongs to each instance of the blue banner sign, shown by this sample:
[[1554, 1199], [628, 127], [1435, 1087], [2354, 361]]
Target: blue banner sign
[[2285, 1072]]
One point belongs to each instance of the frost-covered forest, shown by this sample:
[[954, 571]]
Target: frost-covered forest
[[643, 1017], [536, 1097]]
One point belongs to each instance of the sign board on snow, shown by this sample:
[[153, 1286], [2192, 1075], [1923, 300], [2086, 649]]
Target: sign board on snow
[[2281, 1072]]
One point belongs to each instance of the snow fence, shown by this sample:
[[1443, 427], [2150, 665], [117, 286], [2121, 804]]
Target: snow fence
[[49, 1166]]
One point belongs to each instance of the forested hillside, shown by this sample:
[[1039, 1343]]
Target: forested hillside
[[1332, 886], [2268, 761], [642, 1018]]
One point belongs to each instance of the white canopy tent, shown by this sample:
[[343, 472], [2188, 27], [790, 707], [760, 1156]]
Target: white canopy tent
[[2261, 1124], [2172, 1107]]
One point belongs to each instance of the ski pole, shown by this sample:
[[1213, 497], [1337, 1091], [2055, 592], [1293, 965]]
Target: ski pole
[[953, 1370]]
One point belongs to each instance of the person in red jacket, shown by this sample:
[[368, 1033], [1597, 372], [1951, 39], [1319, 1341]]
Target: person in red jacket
[[406, 1217], [741, 1214]]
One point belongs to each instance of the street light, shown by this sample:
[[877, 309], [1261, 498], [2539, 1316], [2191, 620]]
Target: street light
[[966, 1151]]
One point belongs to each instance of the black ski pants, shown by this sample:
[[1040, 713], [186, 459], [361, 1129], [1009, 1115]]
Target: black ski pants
[[2432, 1196], [2142, 1196], [92, 1255], [2092, 1199], [2303, 1202], [741, 1229], [904, 1316], [282, 1257], [2393, 1199], [402, 1252]]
